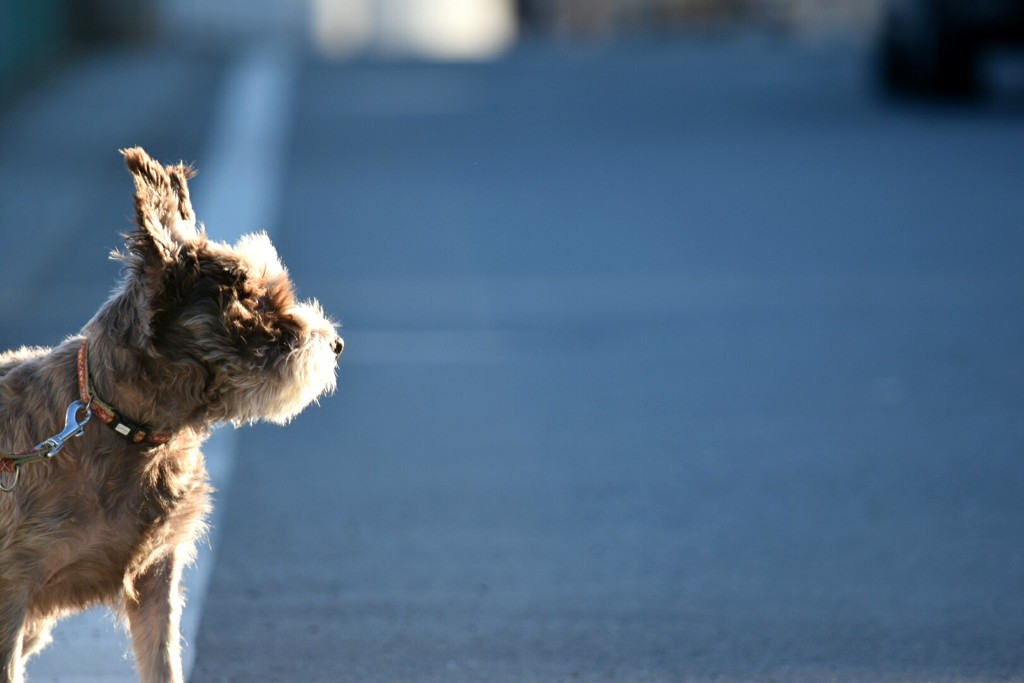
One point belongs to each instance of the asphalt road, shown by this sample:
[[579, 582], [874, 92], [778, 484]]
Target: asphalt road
[[680, 361]]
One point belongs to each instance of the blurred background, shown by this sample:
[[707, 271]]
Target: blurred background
[[684, 338], [37, 31], [935, 46], [433, 28]]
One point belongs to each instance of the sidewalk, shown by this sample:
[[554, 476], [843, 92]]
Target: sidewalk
[[66, 195]]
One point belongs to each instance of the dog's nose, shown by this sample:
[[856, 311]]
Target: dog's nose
[[338, 345]]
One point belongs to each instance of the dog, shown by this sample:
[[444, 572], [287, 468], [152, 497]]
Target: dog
[[108, 509]]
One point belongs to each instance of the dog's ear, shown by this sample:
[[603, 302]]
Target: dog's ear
[[162, 251], [163, 210]]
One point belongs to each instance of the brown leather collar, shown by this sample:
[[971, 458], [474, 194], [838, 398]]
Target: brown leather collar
[[106, 413]]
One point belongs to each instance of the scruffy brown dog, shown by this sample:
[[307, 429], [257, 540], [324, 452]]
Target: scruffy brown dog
[[198, 333]]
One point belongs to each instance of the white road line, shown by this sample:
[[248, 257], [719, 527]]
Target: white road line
[[237, 192]]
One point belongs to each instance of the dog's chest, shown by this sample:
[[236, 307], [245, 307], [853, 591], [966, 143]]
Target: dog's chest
[[121, 524]]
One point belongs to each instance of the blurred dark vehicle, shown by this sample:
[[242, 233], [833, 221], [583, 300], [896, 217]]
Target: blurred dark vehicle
[[933, 46]]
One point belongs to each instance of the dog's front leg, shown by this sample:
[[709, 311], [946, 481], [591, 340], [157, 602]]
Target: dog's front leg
[[154, 619], [13, 609]]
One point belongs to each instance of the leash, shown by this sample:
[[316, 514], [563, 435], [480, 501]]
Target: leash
[[11, 463]]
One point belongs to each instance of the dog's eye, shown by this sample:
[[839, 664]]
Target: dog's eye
[[255, 303]]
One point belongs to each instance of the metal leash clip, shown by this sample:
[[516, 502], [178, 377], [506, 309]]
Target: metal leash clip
[[72, 427], [11, 464]]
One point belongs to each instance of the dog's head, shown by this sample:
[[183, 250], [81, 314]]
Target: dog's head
[[217, 327]]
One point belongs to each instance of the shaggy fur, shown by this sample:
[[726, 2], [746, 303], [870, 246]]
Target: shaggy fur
[[198, 333]]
